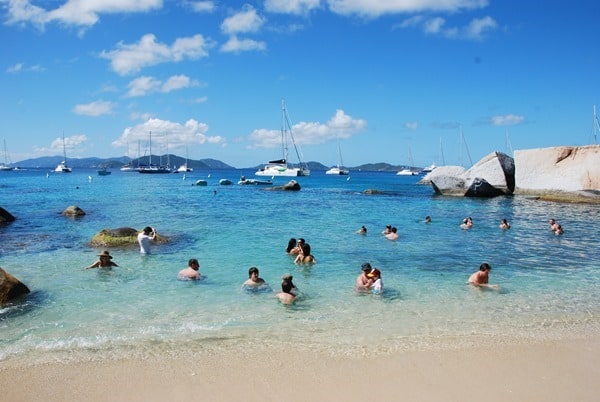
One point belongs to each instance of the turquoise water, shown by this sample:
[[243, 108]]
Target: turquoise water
[[549, 284]]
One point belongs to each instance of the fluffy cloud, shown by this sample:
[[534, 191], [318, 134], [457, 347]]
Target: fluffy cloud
[[97, 108], [131, 58], [75, 12], [372, 9], [507, 120], [474, 30], [144, 85], [167, 134], [340, 125], [291, 6], [244, 21], [235, 45]]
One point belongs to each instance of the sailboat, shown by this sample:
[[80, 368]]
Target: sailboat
[[150, 168], [408, 171], [6, 165], [184, 168], [280, 167], [62, 166], [339, 169]]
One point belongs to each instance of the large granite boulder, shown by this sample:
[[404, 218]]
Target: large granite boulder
[[5, 216], [10, 287], [73, 210], [120, 237], [493, 175], [559, 173], [292, 185]]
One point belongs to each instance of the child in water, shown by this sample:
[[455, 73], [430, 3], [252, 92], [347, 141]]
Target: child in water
[[377, 286]]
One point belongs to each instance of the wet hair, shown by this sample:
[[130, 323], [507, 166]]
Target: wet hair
[[287, 286], [147, 229], [193, 261], [252, 270], [301, 240], [394, 230], [291, 245], [485, 267], [306, 249]]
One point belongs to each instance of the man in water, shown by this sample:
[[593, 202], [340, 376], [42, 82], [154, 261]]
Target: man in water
[[254, 281], [481, 277], [191, 272], [144, 239], [363, 282]]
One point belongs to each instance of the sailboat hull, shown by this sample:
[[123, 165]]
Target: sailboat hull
[[337, 171]]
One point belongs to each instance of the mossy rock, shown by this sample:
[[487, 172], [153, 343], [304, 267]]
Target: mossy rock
[[120, 237]]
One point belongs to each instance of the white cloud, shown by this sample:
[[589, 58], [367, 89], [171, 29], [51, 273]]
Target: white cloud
[[411, 125], [244, 21], [167, 134], [21, 67], [475, 30], [340, 125], [200, 6], [97, 108], [235, 45], [297, 7], [130, 58], [75, 12], [144, 85], [56, 147], [372, 9], [507, 120], [479, 26]]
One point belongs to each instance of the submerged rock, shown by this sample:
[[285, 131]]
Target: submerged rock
[[292, 185], [5, 216], [120, 237], [73, 210], [10, 287]]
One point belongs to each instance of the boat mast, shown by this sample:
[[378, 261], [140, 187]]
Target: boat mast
[[64, 148], [595, 126], [287, 123], [442, 153], [150, 147], [284, 145]]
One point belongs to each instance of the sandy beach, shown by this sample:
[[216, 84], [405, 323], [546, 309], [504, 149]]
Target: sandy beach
[[553, 370]]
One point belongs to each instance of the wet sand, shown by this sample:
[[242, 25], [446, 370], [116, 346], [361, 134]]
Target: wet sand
[[565, 370]]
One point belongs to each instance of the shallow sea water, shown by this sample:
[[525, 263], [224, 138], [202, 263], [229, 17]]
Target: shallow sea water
[[549, 284]]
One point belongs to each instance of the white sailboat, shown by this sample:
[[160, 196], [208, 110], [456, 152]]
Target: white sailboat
[[150, 168], [62, 166], [184, 168], [280, 167], [339, 169], [6, 165], [408, 171]]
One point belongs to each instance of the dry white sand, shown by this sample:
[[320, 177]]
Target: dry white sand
[[566, 370]]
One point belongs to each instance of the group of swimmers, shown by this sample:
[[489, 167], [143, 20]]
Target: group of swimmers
[[368, 281]]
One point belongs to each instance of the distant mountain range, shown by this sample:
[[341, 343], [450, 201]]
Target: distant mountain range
[[50, 162]]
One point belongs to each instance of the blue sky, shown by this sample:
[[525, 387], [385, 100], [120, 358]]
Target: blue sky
[[390, 79]]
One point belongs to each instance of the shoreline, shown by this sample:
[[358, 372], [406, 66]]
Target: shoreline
[[558, 370]]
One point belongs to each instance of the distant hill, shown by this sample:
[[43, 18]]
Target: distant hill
[[50, 162]]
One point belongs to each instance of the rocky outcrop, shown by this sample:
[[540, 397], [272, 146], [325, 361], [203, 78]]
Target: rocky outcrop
[[559, 173], [292, 185], [73, 210], [5, 216], [120, 237], [492, 176], [10, 287]]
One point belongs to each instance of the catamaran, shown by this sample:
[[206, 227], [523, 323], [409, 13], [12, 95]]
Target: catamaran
[[280, 167], [62, 166]]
